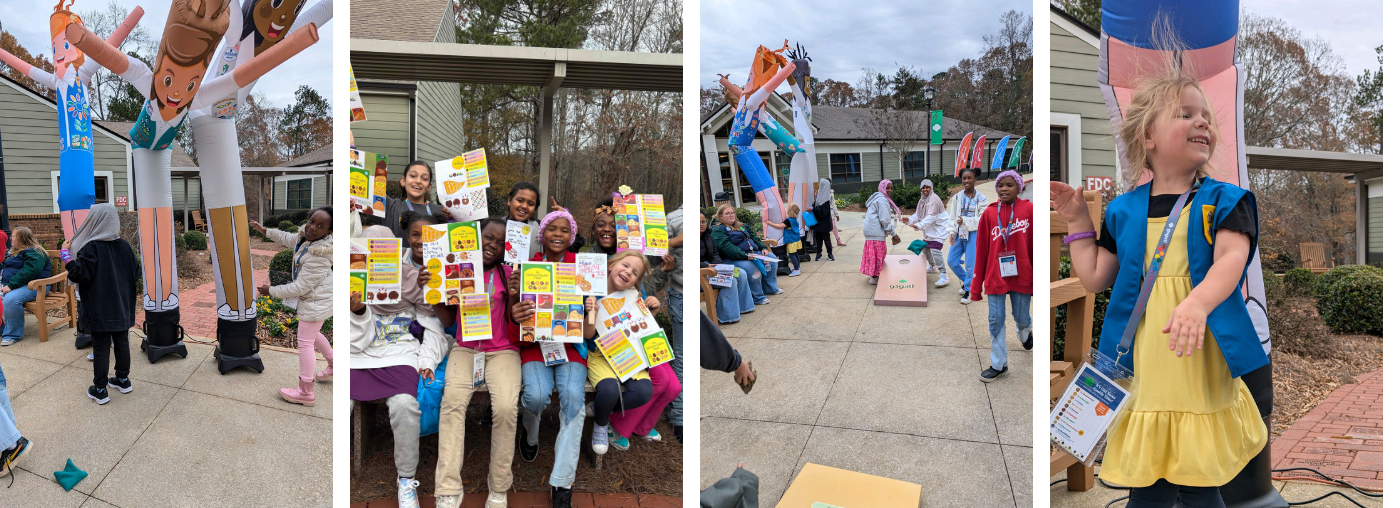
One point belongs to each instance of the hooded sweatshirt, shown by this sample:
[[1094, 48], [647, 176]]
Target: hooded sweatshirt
[[986, 277], [380, 337], [879, 218]]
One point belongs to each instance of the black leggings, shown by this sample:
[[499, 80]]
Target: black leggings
[[823, 237], [102, 344], [795, 259], [609, 399], [1164, 494]]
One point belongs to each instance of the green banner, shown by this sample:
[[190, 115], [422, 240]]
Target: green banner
[[1015, 160], [935, 128]]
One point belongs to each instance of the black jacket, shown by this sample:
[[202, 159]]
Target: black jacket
[[709, 254], [715, 351], [823, 214], [106, 275]]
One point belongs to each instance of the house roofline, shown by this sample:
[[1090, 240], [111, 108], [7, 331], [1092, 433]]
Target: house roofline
[[121, 138]]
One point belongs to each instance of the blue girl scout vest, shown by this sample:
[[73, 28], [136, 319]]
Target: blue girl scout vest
[[1229, 322]]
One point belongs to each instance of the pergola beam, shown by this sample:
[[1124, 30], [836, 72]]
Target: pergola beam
[[514, 65], [546, 131]]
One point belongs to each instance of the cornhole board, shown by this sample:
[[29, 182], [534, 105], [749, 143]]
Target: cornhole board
[[903, 281], [818, 485]]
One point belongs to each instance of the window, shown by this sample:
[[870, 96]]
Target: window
[[784, 163], [845, 167], [100, 185], [1059, 137], [298, 194], [914, 166]]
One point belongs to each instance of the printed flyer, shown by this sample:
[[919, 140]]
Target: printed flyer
[[357, 108], [374, 269], [641, 223], [621, 354], [462, 183], [1081, 418], [625, 312], [591, 274], [452, 254], [369, 181], [550, 287], [518, 237], [724, 276]]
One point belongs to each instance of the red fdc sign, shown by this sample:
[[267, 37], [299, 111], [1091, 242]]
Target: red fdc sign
[[121, 200], [1098, 183]]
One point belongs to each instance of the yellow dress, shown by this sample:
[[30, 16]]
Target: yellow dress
[[1188, 421]]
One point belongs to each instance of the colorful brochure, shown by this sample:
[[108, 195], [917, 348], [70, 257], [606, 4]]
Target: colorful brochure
[[452, 257], [374, 269], [641, 223], [369, 181], [462, 183], [518, 238]]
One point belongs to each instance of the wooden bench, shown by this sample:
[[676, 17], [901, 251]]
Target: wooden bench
[[1079, 328], [708, 293], [60, 297]]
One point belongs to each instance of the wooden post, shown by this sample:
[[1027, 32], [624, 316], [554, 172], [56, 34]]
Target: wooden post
[[1079, 326]]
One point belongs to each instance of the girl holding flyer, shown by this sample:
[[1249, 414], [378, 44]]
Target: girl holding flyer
[[417, 179], [541, 376], [647, 392], [386, 361], [521, 203], [1192, 424], [310, 295], [502, 376]]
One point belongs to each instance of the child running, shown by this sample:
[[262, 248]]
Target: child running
[[1193, 424], [386, 362], [881, 217], [930, 218], [792, 237], [1003, 269], [502, 360], [103, 266], [310, 293], [966, 207]]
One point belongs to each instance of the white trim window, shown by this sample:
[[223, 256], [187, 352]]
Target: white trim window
[[297, 192], [845, 168], [102, 187], [1073, 144]]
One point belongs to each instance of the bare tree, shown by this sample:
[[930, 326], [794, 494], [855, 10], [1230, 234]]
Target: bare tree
[[901, 132], [103, 22]]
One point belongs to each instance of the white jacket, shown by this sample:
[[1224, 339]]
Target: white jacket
[[975, 205], [381, 340], [935, 227], [312, 288]]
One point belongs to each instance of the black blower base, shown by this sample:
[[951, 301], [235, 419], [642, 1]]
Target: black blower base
[[163, 335], [238, 346]]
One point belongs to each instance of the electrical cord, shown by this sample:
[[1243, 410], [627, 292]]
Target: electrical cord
[[1329, 479], [1286, 478]]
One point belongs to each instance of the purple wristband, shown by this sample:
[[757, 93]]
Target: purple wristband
[[63, 254], [1078, 236]]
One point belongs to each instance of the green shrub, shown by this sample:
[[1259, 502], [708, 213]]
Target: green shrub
[[274, 327], [864, 193], [1302, 280], [327, 327], [180, 242], [279, 270], [296, 217], [709, 211], [1351, 299], [254, 233], [1100, 309], [287, 226], [195, 240]]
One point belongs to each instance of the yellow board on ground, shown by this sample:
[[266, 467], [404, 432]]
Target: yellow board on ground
[[847, 489]]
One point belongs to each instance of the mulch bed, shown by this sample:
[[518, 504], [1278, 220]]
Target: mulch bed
[[646, 468], [1301, 382]]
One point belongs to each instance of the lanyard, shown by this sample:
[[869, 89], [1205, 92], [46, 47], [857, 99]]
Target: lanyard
[[296, 267], [1130, 332], [1005, 236]]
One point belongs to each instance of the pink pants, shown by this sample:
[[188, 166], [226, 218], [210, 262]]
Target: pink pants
[[309, 341], [664, 389]]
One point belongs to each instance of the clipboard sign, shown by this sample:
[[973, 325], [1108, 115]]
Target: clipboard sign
[[1089, 406]]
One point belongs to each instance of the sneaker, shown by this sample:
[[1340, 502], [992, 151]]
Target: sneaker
[[780, 291], [874, 281], [528, 452], [496, 500], [6, 342], [966, 298], [653, 436], [408, 493], [680, 434], [991, 374], [600, 439], [121, 384], [942, 280], [764, 301], [449, 501], [562, 497], [928, 268], [830, 258], [90, 358], [794, 273], [8, 457], [98, 394], [1025, 338], [618, 441]]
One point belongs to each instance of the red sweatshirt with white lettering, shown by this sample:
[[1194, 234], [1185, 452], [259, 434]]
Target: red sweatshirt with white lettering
[[993, 244]]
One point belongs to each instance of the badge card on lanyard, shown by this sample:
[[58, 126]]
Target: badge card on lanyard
[[1006, 259]]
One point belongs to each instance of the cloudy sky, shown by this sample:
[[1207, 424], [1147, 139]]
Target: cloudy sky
[[28, 21], [844, 36], [1352, 27]]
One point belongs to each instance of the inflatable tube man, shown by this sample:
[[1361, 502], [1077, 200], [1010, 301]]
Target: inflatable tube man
[[173, 88], [1206, 32], [802, 178], [769, 69], [253, 31]]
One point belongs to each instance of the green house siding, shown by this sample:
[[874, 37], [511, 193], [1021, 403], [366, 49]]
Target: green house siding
[[439, 121], [1375, 230], [29, 140], [388, 130], [319, 196], [1074, 89]]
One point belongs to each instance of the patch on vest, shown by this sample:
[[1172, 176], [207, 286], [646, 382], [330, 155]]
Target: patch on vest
[[1207, 213]]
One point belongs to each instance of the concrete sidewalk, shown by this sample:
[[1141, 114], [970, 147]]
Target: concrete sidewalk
[[889, 391], [185, 436]]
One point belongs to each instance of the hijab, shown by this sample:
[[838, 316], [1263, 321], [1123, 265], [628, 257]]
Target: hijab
[[823, 192], [929, 205], [101, 225], [885, 189]]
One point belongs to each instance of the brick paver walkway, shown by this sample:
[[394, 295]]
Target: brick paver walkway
[[1341, 437], [197, 313], [541, 500]]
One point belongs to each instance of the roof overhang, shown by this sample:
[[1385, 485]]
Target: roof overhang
[[1288, 159], [274, 171], [515, 65]]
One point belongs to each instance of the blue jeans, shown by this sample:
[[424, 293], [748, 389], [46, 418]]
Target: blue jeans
[[538, 382], [9, 434], [14, 311], [676, 408], [729, 304], [963, 252], [996, 321], [768, 278]]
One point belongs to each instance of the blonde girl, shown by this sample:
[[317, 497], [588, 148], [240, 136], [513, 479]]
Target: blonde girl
[[1192, 425], [26, 262]]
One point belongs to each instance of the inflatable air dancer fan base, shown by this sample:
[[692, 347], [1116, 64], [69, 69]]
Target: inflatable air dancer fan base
[[238, 346], [1207, 33], [163, 335]]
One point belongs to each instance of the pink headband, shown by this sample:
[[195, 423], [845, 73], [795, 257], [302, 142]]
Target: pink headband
[[549, 219]]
